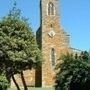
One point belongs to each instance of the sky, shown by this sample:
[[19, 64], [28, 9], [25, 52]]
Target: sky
[[74, 18]]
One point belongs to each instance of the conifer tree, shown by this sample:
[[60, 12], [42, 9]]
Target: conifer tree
[[18, 47]]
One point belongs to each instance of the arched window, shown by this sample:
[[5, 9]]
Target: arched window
[[53, 56], [50, 9]]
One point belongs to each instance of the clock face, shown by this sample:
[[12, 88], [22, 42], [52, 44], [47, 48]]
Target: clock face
[[51, 33]]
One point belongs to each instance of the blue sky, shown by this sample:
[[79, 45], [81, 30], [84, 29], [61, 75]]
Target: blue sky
[[74, 18]]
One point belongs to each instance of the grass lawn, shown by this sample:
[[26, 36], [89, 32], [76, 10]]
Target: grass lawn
[[44, 88]]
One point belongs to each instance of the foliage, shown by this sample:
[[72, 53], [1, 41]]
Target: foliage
[[4, 84], [18, 47], [74, 73]]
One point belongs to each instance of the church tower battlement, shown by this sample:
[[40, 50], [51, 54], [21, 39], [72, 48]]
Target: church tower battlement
[[51, 38]]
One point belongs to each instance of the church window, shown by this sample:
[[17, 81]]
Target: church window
[[53, 56], [50, 9]]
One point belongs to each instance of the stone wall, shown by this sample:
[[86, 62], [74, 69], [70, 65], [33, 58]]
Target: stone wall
[[29, 77], [59, 41]]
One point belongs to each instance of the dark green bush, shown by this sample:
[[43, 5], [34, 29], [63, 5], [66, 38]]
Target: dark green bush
[[4, 84], [74, 72]]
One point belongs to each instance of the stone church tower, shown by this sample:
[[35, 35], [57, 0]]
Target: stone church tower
[[52, 39]]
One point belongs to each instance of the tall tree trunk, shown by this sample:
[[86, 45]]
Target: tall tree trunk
[[17, 86], [23, 81]]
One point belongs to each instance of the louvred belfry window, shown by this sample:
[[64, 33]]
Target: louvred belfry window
[[50, 8]]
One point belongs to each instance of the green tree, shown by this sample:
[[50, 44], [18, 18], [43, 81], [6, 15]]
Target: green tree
[[18, 47], [3, 80], [74, 72]]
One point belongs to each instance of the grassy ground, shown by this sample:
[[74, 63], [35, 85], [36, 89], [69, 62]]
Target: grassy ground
[[47, 88]]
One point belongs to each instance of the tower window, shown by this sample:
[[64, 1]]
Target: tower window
[[53, 56], [50, 9]]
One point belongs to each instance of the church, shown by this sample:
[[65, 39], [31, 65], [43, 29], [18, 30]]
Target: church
[[51, 38], [53, 42]]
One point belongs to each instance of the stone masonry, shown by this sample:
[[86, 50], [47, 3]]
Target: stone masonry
[[51, 35]]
